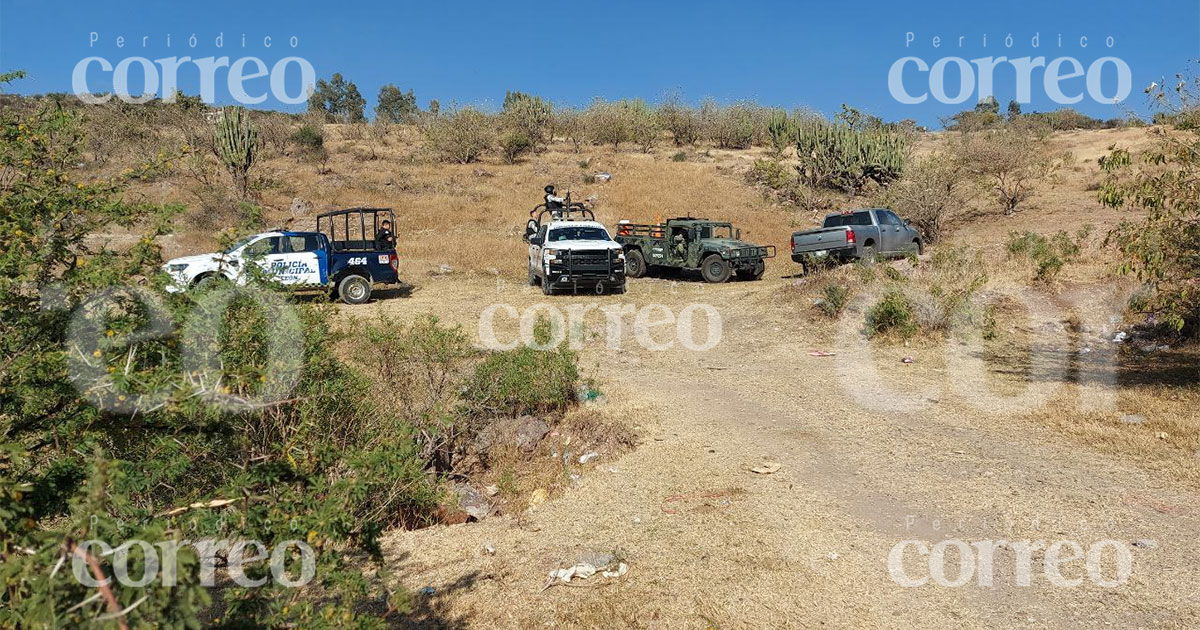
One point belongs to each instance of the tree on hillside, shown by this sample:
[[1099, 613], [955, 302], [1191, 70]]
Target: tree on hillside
[[395, 106], [931, 190], [528, 116], [682, 121], [1014, 110], [1161, 249], [1009, 161], [985, 115], [338, 99]]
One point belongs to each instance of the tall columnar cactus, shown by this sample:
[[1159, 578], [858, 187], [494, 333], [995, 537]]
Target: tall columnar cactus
[[839, 156], [782, 129], [236, 143]]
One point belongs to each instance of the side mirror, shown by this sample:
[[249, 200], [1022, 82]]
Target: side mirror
[[737, 234]]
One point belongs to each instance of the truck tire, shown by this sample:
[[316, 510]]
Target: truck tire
[[753, 273], [635, 264], [868, 254], [354, 289], [715, 269], [205, 281], [547, 287]]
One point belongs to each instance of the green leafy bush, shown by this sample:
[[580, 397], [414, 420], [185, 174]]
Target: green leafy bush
[[834, 299], [1049, 255], [461, 137], [894, 313], [513, 145], [523, 381]]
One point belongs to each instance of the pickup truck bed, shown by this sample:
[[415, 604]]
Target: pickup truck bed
[[856, 234]]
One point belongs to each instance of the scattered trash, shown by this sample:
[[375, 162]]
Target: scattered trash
[[587, 457], [603, 176], [768, 467], [589, 395], [444, 269], [821, 353], [1085, 350], [607, 565], [1120, 337], [906, 360], [1133, 418], [492, 490], [833, 555], [428, 590], [1145, 543], [489, 550]]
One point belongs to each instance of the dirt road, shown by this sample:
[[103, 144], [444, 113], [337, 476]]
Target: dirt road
[[711, 544]]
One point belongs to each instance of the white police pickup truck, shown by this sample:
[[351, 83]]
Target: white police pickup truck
[[572, 254], [347, 267]]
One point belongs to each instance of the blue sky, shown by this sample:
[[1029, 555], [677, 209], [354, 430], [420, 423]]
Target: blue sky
[[787, 54]]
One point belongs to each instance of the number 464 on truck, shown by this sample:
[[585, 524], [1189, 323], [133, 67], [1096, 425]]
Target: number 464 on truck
[[351, 252]]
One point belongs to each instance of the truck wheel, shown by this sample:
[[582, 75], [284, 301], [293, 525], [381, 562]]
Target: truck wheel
[[753, 273], [635, 264], [205, 281], [715, 269], [547, 287], [354, 289], [868, 254]]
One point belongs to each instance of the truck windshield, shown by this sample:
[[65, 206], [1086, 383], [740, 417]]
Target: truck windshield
[[582, 233], [856, 218], [240, 243], [716, 231]]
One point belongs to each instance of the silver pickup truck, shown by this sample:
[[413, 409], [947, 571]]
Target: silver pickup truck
[[856, 234]]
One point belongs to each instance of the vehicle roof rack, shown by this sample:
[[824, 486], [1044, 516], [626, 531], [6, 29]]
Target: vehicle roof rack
[[574, 212]]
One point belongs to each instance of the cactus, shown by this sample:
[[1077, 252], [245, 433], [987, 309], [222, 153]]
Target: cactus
[[236, 143], [838, 156], [782, 129]]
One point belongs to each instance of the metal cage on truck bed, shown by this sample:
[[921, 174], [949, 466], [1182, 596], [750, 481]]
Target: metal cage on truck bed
[[348, 229]]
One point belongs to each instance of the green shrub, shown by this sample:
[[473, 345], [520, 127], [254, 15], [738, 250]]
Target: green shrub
[[523, 381], [834, 300], [309, 138], [513, 145], [1049, 255], [894, 313], [679, 156], [462, 137], [177, 449]]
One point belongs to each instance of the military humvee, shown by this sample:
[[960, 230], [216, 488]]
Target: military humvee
[[713, 247]]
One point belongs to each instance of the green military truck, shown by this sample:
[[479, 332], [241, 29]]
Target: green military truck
[[714, 248]]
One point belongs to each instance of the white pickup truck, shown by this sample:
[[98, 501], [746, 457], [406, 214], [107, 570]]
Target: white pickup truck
[[567, 254]]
